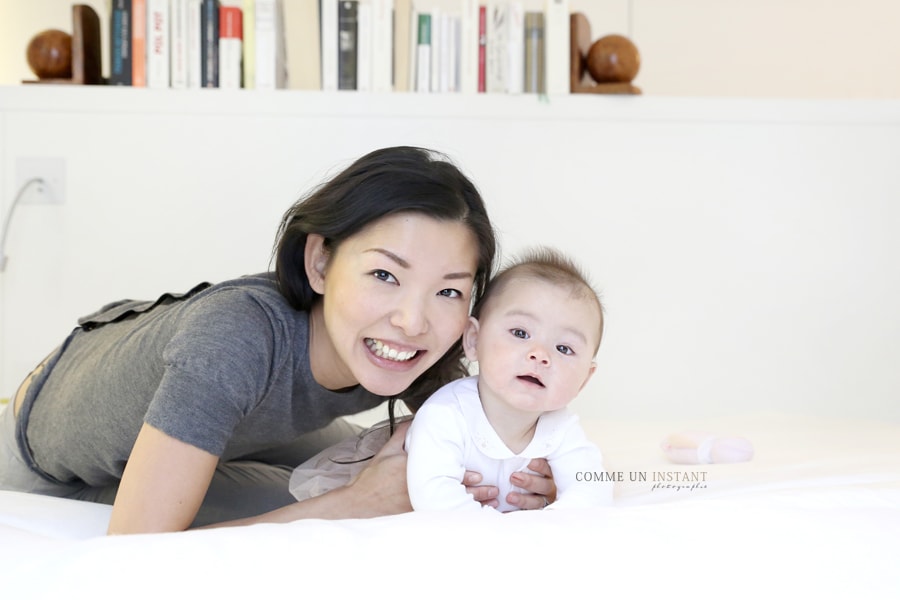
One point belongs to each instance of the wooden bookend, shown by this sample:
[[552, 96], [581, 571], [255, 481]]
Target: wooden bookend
[[580, 81], [86, 57]]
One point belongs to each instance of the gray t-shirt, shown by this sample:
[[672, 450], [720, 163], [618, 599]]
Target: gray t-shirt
[[224, 368]]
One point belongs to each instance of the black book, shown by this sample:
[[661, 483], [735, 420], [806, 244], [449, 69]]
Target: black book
[[120, 43], [348, 32], [209, 44]]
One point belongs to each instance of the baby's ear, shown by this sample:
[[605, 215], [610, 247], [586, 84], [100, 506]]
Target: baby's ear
[[470, 339]]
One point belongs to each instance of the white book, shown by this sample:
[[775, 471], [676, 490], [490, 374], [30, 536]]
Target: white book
[[468, 47], [382, 45], [194, 44], [302, 38], [158, 43], [271, 71], [364, 47], [556, 46], [453, 42], [437, 17], [497, 60], [178, 67], [248, 48], [329, 41], [515, 40]]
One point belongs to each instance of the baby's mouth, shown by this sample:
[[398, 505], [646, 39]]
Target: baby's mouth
[[382, 350], [531, 379]]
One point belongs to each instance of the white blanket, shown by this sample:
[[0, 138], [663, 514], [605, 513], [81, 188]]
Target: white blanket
[[815, 514]]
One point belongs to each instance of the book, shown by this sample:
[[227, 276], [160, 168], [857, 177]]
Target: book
[[329, 44], [348, 30], [139, 43], [437, 43], [120, 43], [230, 51], [482, 49], [468, 47], [423, 53], [515, 53], [248, 46], [364, 48], [178, 46], [403, 32], [209, 44], [302, 44], [158, 39], [497, 61], [194, 58], [271, 61], [382, 45], [556, 46], [534, 53]]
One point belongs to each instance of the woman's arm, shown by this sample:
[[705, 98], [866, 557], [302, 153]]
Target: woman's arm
[[379, 490], [163, 485]]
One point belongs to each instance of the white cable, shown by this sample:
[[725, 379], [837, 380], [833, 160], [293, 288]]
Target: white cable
[[8, 220]]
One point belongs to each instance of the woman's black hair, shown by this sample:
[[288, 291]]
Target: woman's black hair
[[381, 183]]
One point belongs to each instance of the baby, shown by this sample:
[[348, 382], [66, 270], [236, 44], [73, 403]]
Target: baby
[[534, 335]]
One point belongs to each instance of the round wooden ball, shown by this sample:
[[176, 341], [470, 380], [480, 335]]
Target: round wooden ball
[[49, 54], [613, 59]]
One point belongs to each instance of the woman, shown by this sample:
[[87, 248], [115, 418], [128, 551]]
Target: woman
[[192, 409]]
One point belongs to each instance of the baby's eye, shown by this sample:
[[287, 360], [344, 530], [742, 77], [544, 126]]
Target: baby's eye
[[450, 293], [565, 350], [519, 333], [384, 276]]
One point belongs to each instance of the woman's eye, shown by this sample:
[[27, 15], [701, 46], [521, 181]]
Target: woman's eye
[[519, 333], [450, 293], [565, 350], [384, 276]]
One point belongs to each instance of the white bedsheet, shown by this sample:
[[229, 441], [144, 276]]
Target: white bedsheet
[[815, 514]]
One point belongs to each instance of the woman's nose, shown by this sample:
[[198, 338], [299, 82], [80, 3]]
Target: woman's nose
[[411, 317]]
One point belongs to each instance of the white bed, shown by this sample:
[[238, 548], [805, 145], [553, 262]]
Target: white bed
[[815, 514]]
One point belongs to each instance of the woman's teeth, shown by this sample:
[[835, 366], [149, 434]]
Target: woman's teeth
[[384, 351]]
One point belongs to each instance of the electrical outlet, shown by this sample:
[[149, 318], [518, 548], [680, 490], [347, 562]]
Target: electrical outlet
[[53, 173]]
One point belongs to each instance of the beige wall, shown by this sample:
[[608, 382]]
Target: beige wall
[[763, 48]]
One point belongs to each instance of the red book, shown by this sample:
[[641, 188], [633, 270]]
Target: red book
[[230, 46], [482, 47]]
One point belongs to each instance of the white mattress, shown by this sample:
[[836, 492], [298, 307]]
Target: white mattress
[[815, 514]]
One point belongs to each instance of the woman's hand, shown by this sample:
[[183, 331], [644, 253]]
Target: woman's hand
[[541, 486]]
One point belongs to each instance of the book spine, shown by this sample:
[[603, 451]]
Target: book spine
[[139, 43], [303, 44], [348, 36], [482, 49], [423, 53], [248, 48], [364, 48], [158, 43], [120, 43], [230, 42], [402, 34], [437, 41], [557, 51], [382, 52], [178, 67], [209, 44], [468, 47], [515, 43], [194, 57], [329, 44], [534, 53], [497, 49]]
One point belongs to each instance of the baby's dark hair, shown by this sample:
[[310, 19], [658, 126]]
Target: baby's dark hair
[[545, 264]]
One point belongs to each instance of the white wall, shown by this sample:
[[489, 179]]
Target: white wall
[[763, 48], [746, 248]]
